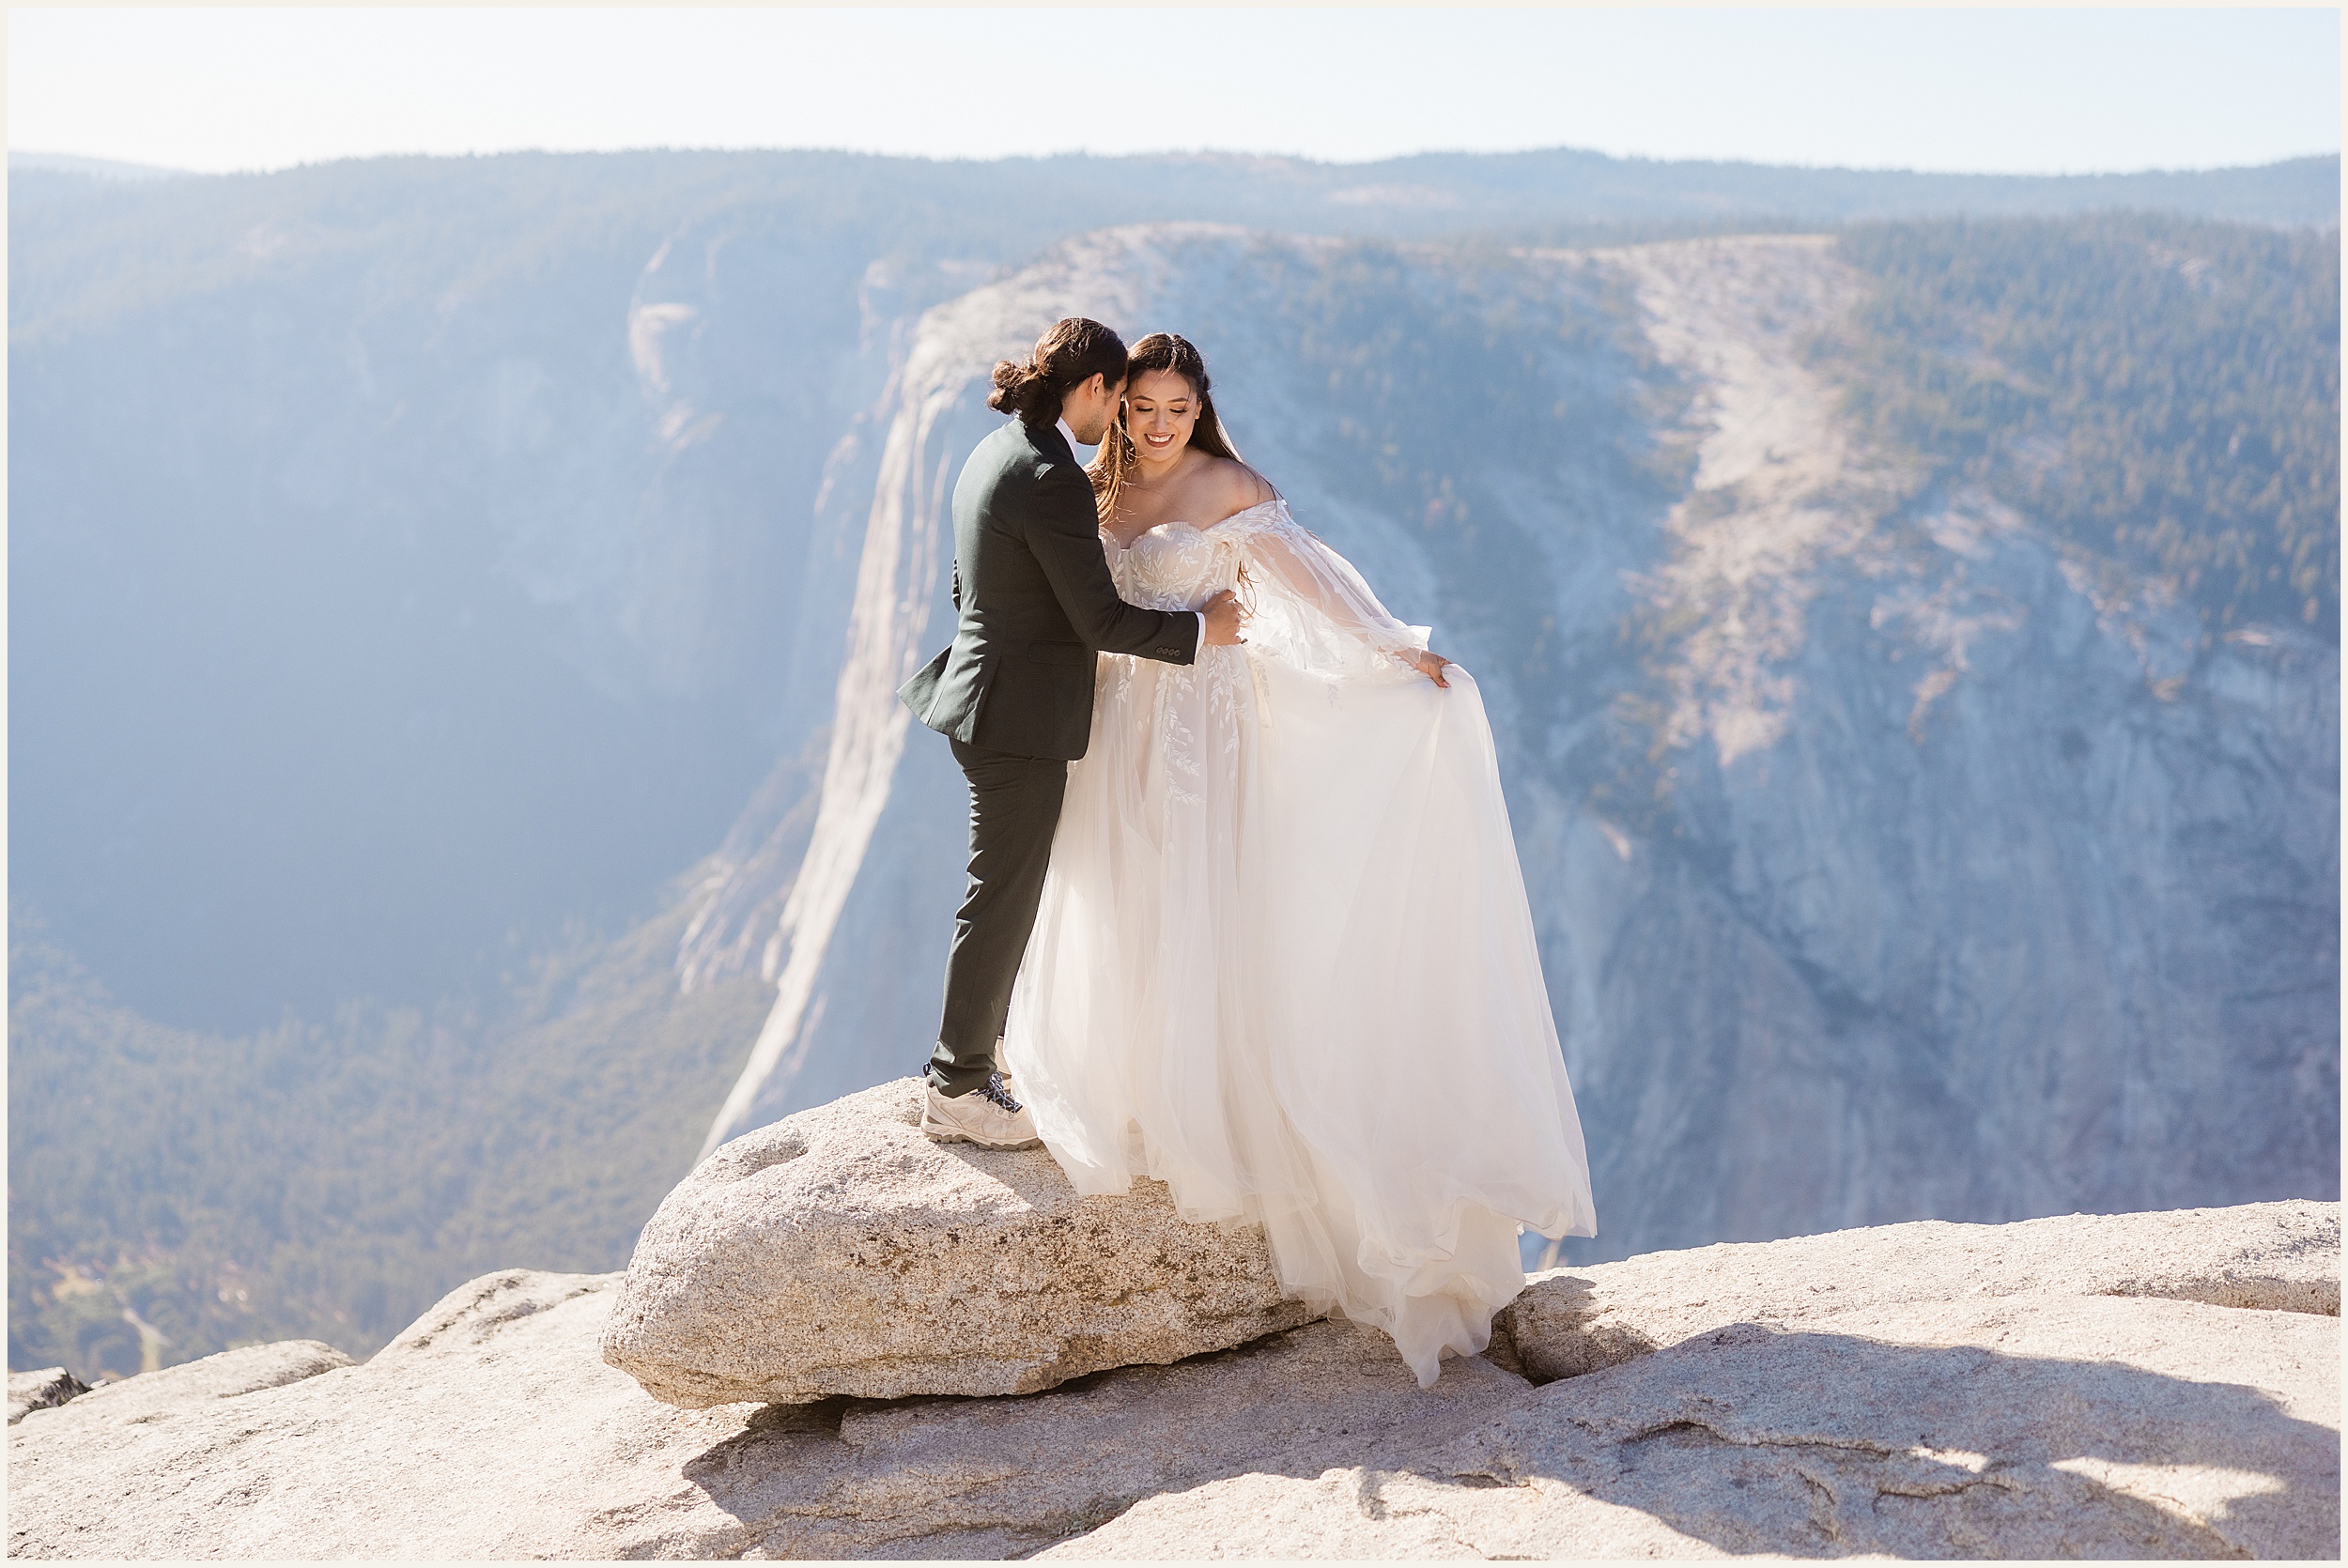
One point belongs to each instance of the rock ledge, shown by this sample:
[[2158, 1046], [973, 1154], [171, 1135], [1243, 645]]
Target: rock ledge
[[840, 1253], [1909, 1390]]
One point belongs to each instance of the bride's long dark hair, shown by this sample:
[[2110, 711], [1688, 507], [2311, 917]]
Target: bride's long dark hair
[[1115, 461]]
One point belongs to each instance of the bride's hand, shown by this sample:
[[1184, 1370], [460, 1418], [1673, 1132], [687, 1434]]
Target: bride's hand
[[1429, 664]]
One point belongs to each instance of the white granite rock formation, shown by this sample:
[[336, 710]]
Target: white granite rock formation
[[2144, 1385], [2280, 1256], [45, 1390], [840, 1253]]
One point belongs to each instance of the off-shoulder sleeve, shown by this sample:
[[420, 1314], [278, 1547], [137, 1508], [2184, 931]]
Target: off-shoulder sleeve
[[1307, 606]]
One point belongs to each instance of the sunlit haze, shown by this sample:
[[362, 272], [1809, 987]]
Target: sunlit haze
[[2016, 91]]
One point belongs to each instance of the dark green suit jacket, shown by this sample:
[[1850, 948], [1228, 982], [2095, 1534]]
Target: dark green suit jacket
[[1035, 597]]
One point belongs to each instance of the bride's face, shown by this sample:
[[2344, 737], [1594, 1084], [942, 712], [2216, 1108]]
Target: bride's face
[[1161, 410]]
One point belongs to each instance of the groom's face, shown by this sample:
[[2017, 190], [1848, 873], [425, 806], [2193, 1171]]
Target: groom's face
[[1088, 410]]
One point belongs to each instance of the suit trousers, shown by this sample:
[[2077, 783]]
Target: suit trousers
[[1014, 809]]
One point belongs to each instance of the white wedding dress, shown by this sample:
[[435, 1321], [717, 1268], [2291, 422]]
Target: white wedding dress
[[1284, 961]]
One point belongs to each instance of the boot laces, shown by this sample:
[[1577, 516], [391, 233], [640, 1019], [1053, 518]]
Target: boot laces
[[994, 1090]]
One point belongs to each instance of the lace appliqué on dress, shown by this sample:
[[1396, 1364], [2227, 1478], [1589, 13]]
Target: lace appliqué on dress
[[1177, 567]]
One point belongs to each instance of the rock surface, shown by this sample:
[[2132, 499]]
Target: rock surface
[[2018, 1426], [1922, 1389], [175, 1388], [2276, 1256], [841, 1253], [45, 1390]]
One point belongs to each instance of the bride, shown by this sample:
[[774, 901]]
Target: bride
[[1284, 961]]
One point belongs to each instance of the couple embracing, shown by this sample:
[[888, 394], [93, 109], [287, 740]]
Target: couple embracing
[[1244, 914]]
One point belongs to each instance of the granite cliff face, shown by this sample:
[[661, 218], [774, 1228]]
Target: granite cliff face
[[1891, 858]]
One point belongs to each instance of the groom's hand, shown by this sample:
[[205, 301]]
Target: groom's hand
[[1224, 618]]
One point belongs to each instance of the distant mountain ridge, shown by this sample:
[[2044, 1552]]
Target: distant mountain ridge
[[1009, 208], [95, 168], [1467, 187]]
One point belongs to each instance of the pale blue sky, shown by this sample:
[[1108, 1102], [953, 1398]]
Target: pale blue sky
[[2026, 91]]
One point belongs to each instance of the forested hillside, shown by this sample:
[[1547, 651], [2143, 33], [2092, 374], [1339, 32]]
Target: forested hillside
[[1914, 652], [2160, 390], [322, 1180]]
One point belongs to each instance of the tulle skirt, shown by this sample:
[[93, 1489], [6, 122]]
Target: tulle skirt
[[1284, 963]]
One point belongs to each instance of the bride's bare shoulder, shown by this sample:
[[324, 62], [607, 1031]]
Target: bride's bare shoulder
[[1236, 487]]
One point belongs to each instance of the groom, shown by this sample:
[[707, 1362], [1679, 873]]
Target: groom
[[1013, 695]]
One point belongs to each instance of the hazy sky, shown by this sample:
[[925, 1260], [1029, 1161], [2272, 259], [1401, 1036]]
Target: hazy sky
[[2036, 91]]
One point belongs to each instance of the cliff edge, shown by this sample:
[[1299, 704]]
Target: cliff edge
[[2140, 1385]]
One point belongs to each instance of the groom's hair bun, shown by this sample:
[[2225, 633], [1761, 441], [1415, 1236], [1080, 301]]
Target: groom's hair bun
[[1072, 352]]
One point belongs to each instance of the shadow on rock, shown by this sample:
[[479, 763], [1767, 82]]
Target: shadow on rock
[[1006, 1476], [1759, 1440]]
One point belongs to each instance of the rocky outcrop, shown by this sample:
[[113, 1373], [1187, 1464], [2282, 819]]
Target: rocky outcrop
[[2018, 1426], [2280, 1256], [187, 1386], [2059, 1388], [45, 1390], [841, 1253], [2141, 1385]]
